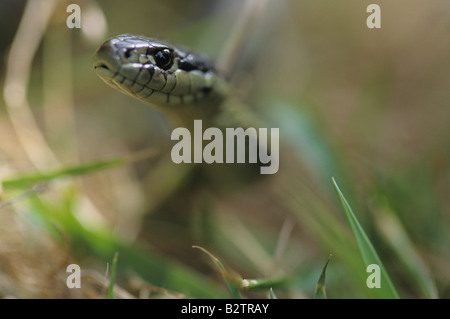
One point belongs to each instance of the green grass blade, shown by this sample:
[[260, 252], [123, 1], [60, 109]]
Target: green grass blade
[[320, 292], [368, 252], [232, 280], [271, 294], [112, 277], [27, 180]]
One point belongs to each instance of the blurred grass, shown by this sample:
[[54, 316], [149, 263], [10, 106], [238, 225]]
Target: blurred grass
[[112, 277], [102, 243], [369, 107], [28, 180]]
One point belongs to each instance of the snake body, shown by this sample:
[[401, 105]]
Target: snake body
[[181, 83]]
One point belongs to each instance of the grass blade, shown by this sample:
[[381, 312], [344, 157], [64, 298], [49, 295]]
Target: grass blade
[[27, 180], [368, 252], [271, 294], [112, 277], [320, 292], [231, 279]]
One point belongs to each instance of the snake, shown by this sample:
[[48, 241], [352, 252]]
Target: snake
[[182, 84]]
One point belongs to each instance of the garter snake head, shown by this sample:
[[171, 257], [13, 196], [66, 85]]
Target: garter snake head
[[159, 73]]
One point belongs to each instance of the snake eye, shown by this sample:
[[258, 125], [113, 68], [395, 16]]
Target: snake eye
[[164, 59]]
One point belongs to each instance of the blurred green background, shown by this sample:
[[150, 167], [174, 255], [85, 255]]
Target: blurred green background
[[369, 107]]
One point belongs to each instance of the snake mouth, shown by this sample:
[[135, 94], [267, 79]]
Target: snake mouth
[[100, 65], [104, 71]]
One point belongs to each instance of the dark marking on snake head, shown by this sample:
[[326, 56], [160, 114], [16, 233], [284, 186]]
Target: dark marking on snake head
[[195, 62]]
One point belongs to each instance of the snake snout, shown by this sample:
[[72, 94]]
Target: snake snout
[[105, 60]]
